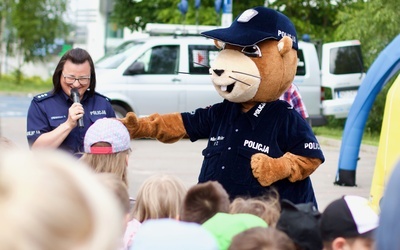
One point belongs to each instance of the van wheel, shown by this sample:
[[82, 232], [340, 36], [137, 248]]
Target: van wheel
[[120, 112]]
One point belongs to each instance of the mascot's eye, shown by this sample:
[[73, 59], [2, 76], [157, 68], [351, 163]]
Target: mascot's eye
[[252, 51]]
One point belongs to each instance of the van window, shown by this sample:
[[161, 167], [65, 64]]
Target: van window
[[346, 60], [117, 56], [301, 65], [163, 59], [200, 57]]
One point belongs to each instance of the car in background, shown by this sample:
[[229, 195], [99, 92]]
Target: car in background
[[158, 74], [328, 81], [343, 71]]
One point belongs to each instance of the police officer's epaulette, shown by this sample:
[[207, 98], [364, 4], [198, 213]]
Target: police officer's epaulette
[[105, 97], [42, 96]]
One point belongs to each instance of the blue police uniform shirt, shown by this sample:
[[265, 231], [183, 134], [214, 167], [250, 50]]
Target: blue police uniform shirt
[[47, 111], [272, 128]]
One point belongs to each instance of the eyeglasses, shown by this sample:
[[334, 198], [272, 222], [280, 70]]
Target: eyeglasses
[[71, 79], [252, 51]]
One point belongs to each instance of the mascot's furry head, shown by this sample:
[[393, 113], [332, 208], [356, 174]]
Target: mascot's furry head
[[258, 60]]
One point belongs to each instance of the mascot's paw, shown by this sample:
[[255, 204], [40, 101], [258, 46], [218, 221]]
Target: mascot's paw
[[131, 122], [268, 170], [166, 128]]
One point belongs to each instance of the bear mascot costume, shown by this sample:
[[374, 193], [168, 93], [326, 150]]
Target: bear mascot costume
[[255, 141]]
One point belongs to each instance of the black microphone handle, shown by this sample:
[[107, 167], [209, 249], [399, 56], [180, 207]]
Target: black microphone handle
[[80, 122], [75, 98]]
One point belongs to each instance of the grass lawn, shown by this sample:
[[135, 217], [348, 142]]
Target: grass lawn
[[337, 133], [27, 85]]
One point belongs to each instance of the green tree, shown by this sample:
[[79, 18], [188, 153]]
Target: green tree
[[375, 23], [136, 14], [29, 27], [313, 17]]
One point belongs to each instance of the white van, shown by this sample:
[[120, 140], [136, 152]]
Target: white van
[[164, 74], [158, 74], [337, 76], [342, 74]]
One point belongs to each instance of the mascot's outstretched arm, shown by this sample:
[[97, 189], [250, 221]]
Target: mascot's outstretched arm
[[268, 170], [166, 128]]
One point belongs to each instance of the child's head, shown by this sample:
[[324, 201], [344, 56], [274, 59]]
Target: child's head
[[173, 234], [348, 221], [261, 238], [267, 208], [159, 196], [118, 187], [107, 147], [225, 226], [204, 200], [48, 200], [300, 223]]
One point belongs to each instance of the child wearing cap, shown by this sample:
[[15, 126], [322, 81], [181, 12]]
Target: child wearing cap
[[203, 201], [107, 146], [348, 223]]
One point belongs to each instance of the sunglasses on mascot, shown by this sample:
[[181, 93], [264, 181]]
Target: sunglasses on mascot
[[250, 51]]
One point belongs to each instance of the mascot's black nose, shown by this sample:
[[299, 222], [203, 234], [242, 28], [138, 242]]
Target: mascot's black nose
[[219, 72]]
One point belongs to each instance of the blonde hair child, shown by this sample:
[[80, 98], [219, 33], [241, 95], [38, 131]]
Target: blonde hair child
[[159, 196], [268, 207], [121, 191], [48, 200]]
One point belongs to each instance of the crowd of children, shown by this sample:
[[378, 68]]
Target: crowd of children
[[51, 200]]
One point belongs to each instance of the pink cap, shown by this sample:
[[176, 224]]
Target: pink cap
[[107, 130]]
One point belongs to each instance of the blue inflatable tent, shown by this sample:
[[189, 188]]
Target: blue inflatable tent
[[383, 68]]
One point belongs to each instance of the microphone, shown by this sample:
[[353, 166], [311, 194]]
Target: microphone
[[75, 98]]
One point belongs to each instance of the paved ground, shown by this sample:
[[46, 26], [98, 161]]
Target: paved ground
[[184, 160]]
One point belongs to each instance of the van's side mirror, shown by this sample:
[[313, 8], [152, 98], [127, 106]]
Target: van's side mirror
[[134, 69]]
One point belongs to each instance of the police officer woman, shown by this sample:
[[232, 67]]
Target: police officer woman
[[53, 116]]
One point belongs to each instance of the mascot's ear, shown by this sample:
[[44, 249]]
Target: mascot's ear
[[219, 44], [285, 45]]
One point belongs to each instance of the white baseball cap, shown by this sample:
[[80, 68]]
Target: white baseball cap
[[107, 130]]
